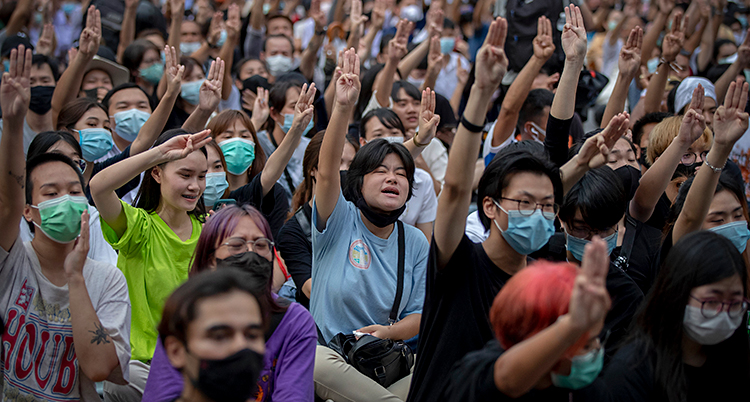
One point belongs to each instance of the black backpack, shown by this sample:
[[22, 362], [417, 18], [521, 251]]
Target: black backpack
[[522, 16]]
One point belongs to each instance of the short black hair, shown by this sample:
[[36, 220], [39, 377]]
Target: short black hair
[[238, 66], [43, 159], [387, 117], [44, 141], [726, 182], [40, 60], [119, 88], [651, 118], [408, 87], [278, 36], [599, 196], [721, 42], [534, 105], [504, 166], [369, 158]]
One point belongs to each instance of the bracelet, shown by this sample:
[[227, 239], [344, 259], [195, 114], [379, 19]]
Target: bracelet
[[416, 143], [712, 167], [470, 126]]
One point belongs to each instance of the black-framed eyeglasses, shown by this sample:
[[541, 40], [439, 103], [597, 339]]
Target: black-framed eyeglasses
[[690, 157], [588, 233], [527, 208], [711, 308], [262, 246]]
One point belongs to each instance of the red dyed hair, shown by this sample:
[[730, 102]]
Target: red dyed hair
[[531, 301]]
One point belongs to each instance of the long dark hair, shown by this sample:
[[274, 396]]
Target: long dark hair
[[304, 192], [133, 55], [698, 259], [369, 158], [73, 111], [149, 195]]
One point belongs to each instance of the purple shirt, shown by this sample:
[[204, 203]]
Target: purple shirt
[[287, 370]]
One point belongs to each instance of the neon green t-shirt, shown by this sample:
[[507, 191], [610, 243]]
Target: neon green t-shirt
[[155, 262]]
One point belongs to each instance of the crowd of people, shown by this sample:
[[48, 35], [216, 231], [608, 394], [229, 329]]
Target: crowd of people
[[374, 200]]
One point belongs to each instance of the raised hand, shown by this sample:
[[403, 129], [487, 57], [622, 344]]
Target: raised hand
[[88, 44], [348, 85], [233, 24], [574, 35], [15, 89], [260, 107], [320, 18], [672, 43], [397, 46], [428, 120], [630, 54], [355, 15], [177, 8], [666, 6], [215, 28], [303, 110], [435, 59], [435, 20], [589, 300], [210, 92], [74, 261], [543, 45], [595, 150], [491, 62], [693, 123], [181, 146], [173, 70], [378, 14], [462, 75], [45, 44], [730, 119]]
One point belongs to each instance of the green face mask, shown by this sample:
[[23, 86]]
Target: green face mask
[[152, 73], [61, 217], [583, 370], [239, 153]]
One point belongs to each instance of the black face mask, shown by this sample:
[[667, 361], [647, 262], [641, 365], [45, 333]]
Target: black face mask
[[231, 379], [379, 219], [642, 160], [92, 93], [41, 99], [630, 177]]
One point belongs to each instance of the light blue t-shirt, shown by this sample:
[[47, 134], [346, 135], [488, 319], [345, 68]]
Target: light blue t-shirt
[[355, 273]]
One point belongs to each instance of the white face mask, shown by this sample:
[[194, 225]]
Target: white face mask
[[710, 331], [537, 133], [394, 140], [279, 64]]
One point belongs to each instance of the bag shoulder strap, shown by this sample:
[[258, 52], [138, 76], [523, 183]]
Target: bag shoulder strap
[[400, 286], [287, 176], [304, 223], [623, 260]]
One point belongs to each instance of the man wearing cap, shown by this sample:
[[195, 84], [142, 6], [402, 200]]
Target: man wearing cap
[[102, 75]]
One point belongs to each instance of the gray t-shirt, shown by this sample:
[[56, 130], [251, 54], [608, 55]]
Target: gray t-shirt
[[293, 171], [37, 354], [28, 135]]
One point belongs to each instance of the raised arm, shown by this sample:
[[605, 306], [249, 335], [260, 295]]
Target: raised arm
[[177, 13], [735, 69], [209, 97], [730, 123], [303, 114], [47, 42], [127, 32], [15, 94], [655, 180], [704, 12], [357, 23], [435, 63], [153, 127], [428, 122], [378, 18], [523, 365], [670, 48], [491, 65], [519, 89], [70, 81], [652, 34], [20, 17], [256, 15], [709, 35], [396, 50], [104, 184], [233, 26], [628, 66], [328, 179], [310, 54], [574, 45]]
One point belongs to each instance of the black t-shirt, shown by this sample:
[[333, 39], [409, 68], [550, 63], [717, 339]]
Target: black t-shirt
[[295, 248], [644, 261], [472, 380], [176, 119], [455, 318], [660, 215], [273, 206], [626, 298]]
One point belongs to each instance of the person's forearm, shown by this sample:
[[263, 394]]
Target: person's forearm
[[69, 84], [655, 181], [695, 39], [338, 11], [430, 78], [329, 96], [367, 43], [119, 174], [20, 16], [256, 15], [197, 120], [588, 17], [278, 160], [154, 126], [572, 172], [514, 99], [707, 42], [406, 328], [413, 58], [127, 33], [310, 56], [722, 84], [650, 37], [227, 54], [201, 55], [328, 178], [562, 106], [600, 17], [655, 91], [354, 36], [616, 102], [521, 367], [95, 349], [466, 144], [384, 83], [12, 183]]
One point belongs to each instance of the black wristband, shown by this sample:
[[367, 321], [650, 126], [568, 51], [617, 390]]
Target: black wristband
[[470, 126]]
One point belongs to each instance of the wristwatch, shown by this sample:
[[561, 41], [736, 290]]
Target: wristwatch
[[322, 32]]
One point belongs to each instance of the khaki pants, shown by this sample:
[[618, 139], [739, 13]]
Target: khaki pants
[[133, 392], [337, 380]]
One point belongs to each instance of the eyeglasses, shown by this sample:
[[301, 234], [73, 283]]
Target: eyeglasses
[[690, 157], [588, 233], [527, 208], [711, 308], [236, 245]]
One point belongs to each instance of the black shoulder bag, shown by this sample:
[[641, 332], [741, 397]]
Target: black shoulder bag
[[385, 361]]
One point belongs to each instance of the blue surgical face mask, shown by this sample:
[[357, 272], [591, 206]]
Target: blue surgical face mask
[[188, 48], [68, 8], [576, 245], [129, 122], [583, 370], [152, 73], [527, 234], [447, 45], [652, 65], [6, 64], [222, 38], [736, 232], [190, 91], [239, 153], [95, 143], [216, 185], [289, 119]]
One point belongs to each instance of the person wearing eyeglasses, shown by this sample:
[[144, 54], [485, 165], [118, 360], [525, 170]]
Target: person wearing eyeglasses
[[240, 237], [688, 342]]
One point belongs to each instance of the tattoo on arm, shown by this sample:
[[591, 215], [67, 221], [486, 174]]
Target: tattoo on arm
[[18, 179], [100, 334]]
